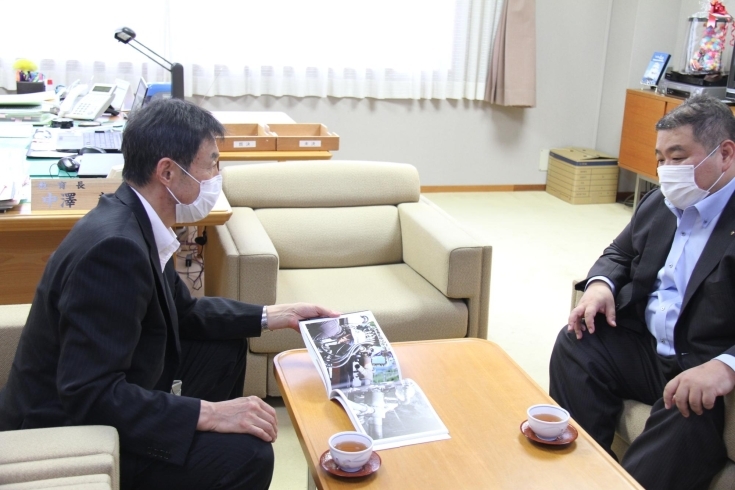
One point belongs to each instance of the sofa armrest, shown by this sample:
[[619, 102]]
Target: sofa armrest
[[576, 295], [41, 454], [12, 320], [243, 260], [447, 256], [729, 432]]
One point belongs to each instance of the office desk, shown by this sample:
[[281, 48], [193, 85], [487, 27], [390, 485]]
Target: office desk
[[27, 240]]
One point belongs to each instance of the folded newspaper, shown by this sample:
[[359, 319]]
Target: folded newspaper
[[360, 370]]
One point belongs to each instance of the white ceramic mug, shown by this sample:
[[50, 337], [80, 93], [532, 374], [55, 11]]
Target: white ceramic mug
[[547, 421], [346, 457]]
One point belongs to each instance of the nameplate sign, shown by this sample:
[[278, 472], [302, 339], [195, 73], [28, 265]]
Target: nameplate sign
[[69, 194]]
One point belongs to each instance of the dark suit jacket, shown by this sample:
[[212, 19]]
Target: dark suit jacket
[[101, 344], [706, 325]]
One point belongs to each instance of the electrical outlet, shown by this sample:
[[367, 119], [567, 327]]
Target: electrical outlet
[[543, 162]]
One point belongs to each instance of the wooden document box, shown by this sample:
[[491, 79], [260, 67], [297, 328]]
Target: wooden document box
[[582, 176], [300, 137], [246, 137]]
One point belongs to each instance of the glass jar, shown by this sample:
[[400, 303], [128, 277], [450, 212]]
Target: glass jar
[[706, 44]]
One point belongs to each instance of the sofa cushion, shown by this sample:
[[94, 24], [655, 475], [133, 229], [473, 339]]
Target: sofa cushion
[[331, 183], [39, 454], [632, 420], [85, 482], [333, 237], [404, 304]]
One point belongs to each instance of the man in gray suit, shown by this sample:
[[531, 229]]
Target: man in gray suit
[[655, 323], [112, 326]]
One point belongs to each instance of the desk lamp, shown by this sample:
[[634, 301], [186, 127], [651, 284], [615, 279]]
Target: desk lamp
[[126, 34]]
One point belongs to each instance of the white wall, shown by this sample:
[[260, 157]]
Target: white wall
[[637, 29], [474, 143], [588, 54]]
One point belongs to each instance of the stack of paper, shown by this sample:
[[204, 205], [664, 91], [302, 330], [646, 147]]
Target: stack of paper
[[13, 177], [27, 99], [33, 107]]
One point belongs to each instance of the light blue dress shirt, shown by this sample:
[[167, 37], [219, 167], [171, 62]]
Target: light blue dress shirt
[[694, 226]]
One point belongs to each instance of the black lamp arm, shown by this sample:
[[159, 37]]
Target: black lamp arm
[[126, 35], [168, 64]]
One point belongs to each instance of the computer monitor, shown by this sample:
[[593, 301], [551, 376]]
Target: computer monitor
[[140, 94]]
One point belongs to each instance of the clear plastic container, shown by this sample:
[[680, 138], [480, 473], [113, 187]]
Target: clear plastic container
[[707, 50]]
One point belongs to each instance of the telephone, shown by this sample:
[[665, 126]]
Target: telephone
[[102, 97], [92, 105]]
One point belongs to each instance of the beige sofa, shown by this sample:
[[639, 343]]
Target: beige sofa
[[350, 235], [84, 457], [633, 420]]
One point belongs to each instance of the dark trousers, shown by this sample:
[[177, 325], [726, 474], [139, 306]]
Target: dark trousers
[[591, 378], [213, 371]]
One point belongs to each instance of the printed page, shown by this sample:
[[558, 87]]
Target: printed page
[[393, 414], [350, 351], [316, 359]]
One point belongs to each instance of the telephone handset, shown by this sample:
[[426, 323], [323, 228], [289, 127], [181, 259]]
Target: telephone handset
[[121, 91], [72, 93], [92, 105]]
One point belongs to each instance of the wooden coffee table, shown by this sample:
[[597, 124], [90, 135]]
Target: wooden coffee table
[[482, 395]]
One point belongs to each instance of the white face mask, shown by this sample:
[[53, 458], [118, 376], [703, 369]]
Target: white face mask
[[679, 186], [209, 191]]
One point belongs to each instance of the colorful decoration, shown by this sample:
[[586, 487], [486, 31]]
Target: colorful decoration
[[25, 70], [708, 58]]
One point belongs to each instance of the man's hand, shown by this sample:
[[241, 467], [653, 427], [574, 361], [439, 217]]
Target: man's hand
[[598, 298], [697, 388], [249, 415], [288, 316]]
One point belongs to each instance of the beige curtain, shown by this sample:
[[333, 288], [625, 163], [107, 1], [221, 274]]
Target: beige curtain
[[512, 74]]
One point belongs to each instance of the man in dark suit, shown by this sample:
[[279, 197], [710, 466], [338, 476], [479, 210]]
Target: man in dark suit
[[112, 327], [655, 323]]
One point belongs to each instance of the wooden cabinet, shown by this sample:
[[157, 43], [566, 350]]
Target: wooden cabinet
[[643, 109], [638, 139]]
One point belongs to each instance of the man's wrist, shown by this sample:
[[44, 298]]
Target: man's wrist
[[727, 360], [603, 280], [206, 411], [264, 320]]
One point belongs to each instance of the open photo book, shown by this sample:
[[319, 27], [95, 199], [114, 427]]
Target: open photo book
[[360, 370]]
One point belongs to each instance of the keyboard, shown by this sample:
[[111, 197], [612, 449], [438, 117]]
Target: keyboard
[[107, 140], [110, 141]]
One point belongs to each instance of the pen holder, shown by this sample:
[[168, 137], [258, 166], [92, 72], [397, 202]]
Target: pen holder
[[30, 87]]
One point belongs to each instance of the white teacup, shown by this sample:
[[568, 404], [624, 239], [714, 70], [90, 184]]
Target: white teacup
[[547, 421], [350, 450]]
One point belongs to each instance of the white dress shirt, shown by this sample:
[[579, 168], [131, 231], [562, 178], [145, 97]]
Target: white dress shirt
[[166, 241]]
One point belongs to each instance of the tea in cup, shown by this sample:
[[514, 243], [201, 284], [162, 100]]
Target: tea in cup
[[547, 421], [350, 450]]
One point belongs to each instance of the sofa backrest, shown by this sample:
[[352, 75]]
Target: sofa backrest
[[12, 320], [327, 213]]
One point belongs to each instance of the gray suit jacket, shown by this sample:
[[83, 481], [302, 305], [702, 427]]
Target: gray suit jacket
[[102, 340]]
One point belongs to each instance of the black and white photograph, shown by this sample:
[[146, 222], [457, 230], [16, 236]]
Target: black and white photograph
[[392, 410], [354, 350]]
